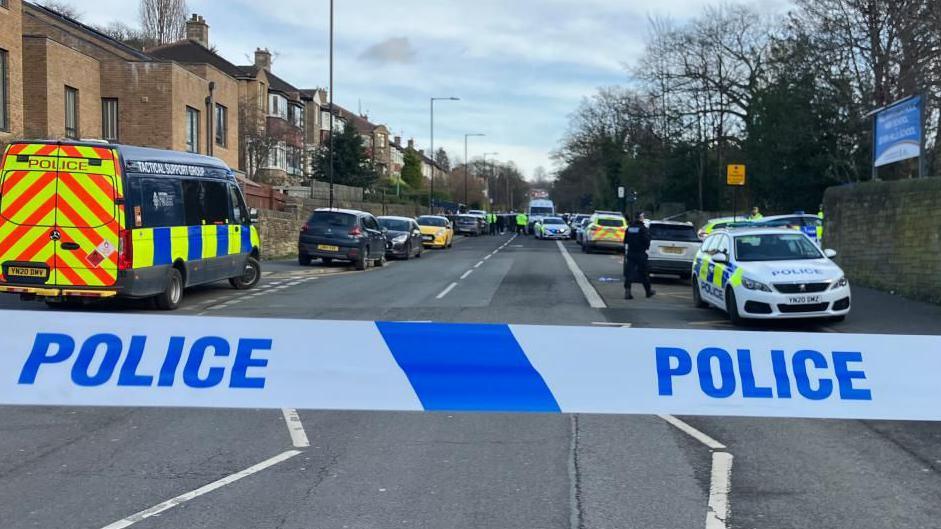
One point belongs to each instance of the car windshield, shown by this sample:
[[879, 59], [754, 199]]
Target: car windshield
[[395, 224], [331, 219], [539, 210], [619, 223], [432, 221], [552, 220], [775, 247], [673, 232], [465, 218]]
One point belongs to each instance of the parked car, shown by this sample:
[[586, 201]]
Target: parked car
[[575, 221], [343, 235], [673, 247], [604, 231], [580, 230], [403, 236], [437, 232], [468, 225], [551, 228], [810, 225]]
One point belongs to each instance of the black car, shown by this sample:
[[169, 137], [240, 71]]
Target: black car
[[467, 225], [342, 234], [403, 236]]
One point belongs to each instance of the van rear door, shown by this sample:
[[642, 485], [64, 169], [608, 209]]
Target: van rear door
[[88, 217]]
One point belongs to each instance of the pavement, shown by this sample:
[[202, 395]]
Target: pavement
[[118, 467]]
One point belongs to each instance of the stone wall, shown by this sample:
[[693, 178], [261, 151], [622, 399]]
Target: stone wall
[[888, 235], [279, 230]]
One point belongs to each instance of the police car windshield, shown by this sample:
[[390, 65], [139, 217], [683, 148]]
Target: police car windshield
[[394, 224], [552, 220], [432, 221], [775, 247]]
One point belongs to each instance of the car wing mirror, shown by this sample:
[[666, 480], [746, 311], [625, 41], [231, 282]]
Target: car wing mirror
[[253, 215], [829, 253]]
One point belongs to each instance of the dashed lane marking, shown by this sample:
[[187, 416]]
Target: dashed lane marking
[[446, 290], [295, 428]]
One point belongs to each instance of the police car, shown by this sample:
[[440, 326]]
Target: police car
[[551, 228], [769, 273]]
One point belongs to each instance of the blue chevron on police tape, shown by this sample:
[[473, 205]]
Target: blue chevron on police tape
[[84, 359]]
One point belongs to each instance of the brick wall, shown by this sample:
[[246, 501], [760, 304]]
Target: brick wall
[[48, 68], [11, 41], [279, 230], [888, 235], [226, 93]]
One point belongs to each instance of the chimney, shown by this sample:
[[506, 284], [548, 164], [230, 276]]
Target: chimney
[[411, 143], [263, 59], [197, 30], [397, 141]]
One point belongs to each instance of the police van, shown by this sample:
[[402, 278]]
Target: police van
[[86, 220]]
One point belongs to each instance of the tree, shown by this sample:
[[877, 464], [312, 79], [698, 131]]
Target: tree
[[351, 165], [62, 7], [441, 157], [131, 36], [411, 169], [163, 21]]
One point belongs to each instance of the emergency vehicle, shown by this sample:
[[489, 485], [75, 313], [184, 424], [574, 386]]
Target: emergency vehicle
[[769, 273], [604, 231], [86, 220]]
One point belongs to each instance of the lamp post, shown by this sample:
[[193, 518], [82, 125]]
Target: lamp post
[[486, 154], [332, 131], [467, 162], [431, 194]]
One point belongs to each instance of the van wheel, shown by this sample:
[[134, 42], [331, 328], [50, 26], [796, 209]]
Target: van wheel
[[171, 297], [731, 306], [697, 296], [326, 261], [363, 262], [250, 276]]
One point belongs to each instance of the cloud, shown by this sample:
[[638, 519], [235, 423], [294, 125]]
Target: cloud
[[392, 50]]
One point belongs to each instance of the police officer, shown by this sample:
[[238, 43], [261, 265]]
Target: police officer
[[521, 223], [492, 222], [636, 242], [755, 214]]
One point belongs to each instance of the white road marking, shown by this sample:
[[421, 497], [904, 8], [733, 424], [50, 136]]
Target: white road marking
[[467, 273], [487, 257], [693, 432], [295, 428], [719, 487], [205, 489], [594, 300], [478, 265], [445, 291]]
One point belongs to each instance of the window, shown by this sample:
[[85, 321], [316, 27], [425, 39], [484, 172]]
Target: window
[[261, 97], [239, 211], [192, 129], [4, 3], [222, 125], [723, 246], [109, 119], [206, 202], [296, 116], [4, 90], [71, 113], [161, 202], [371, 223]]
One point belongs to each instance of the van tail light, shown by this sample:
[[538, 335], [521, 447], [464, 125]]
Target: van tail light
[[356, 231], [125, 250], [305, 227]]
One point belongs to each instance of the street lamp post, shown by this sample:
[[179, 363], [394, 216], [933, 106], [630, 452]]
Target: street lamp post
[[330, 94], [431, 194], [490, 178], [467, 162]]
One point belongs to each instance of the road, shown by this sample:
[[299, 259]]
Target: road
[[88, 468]]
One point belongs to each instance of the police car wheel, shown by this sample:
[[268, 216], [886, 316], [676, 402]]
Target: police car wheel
[[173, 294], [697, 296], [731, 306], [250, 276]]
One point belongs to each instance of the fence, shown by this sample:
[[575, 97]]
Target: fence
[[262, 196]]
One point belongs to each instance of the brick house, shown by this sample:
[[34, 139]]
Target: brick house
[[375, 139], [11, 70], [81, 83]]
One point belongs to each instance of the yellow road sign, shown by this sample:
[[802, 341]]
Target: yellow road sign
[[735, 175]]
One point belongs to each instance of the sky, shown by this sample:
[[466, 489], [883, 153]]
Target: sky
[[520, 67]]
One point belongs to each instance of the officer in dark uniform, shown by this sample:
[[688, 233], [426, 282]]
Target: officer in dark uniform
[[636, 242]]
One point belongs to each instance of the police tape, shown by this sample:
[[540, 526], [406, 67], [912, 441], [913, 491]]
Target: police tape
[[173, 361]]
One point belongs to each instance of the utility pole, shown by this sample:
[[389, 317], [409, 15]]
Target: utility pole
[[467, 163], [332, 131]]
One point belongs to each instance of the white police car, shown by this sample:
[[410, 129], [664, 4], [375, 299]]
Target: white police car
[[769, 273]]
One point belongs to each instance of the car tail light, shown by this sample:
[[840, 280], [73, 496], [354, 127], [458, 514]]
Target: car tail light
[[356, 231], [125, 250]]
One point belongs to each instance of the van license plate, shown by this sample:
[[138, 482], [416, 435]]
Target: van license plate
[[803, 300], [27, 271], [675, 250], [328, 248]]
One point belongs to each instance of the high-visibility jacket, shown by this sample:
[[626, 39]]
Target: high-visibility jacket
[[820, 227], [521, 219], [491, 218], [753, 218]]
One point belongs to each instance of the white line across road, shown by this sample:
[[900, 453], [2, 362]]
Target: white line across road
[[720, 485], [295, 428], [205, 489]]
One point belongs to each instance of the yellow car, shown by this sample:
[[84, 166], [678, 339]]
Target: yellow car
[[436, 232]]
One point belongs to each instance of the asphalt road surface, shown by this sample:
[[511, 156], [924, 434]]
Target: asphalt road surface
[[100, 467]]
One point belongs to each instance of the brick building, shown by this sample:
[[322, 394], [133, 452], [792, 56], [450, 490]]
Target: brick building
[[79, 83], [11, 70]]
